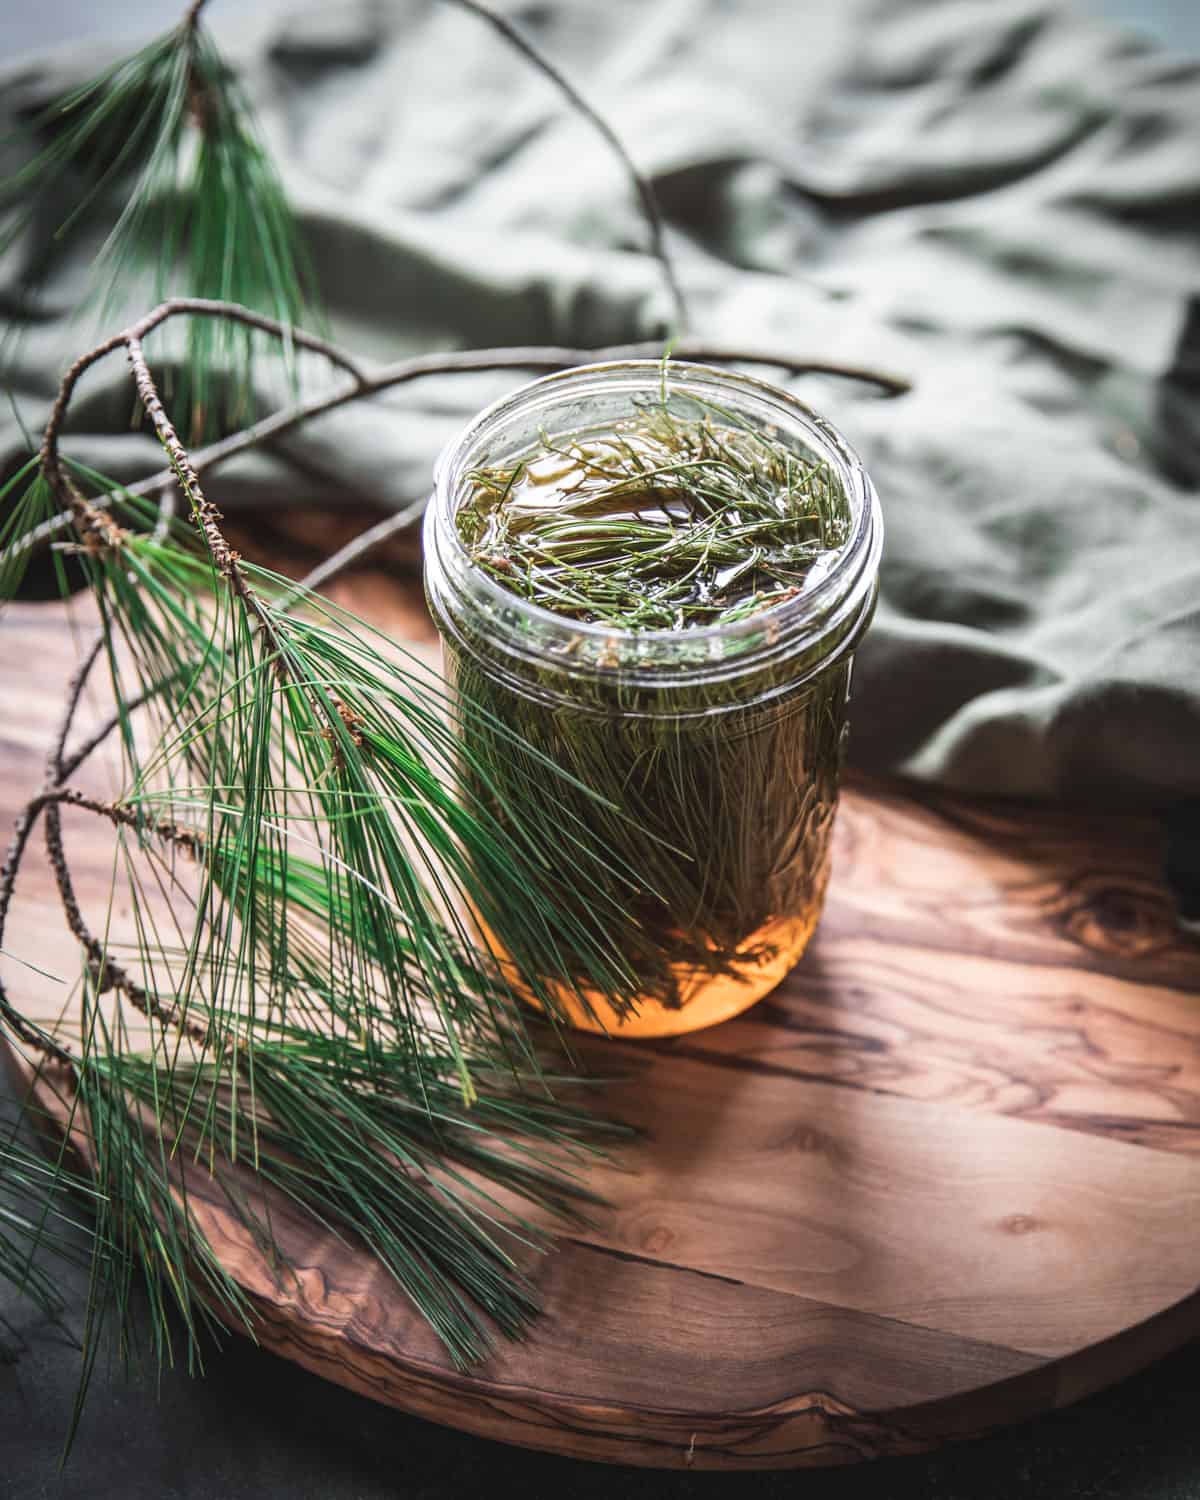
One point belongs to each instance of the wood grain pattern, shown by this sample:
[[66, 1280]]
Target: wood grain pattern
[[946, 1177]]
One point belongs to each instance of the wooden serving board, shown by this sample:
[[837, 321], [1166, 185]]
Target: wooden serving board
[[946, 1177]]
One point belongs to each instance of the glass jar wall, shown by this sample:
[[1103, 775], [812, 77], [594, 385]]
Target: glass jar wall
[[687, 778]]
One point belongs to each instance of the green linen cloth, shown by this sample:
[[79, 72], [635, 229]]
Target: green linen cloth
[[997, 198]]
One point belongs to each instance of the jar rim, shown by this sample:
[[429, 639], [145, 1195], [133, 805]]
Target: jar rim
[[802, 615]]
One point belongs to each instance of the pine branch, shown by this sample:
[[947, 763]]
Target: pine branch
[[205, 210], [275, 731]]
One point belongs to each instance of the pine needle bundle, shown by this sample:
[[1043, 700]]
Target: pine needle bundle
[[295, 990], [163, 146]]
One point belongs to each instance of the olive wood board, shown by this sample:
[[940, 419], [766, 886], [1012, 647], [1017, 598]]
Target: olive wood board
[[946, 1177]]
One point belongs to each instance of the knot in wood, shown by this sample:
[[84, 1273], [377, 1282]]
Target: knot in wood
[[657, 1240]]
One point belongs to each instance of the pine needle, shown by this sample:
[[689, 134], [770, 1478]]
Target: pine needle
[[40, 1227]]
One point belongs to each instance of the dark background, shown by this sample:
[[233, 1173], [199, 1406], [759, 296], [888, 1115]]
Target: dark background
[[257, 1426]]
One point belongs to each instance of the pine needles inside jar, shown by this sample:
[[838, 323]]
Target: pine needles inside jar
[[659, 524], [678, 518]]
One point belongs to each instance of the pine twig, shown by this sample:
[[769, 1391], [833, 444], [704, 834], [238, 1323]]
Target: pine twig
[[106, 974], [365, 383], [646, 197]]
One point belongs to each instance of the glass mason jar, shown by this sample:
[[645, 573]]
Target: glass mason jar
[[684, 781]]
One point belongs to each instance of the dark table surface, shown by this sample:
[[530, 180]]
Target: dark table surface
[[257, 1426]]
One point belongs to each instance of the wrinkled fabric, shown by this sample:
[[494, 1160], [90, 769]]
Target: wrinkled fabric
[[995, 198]]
